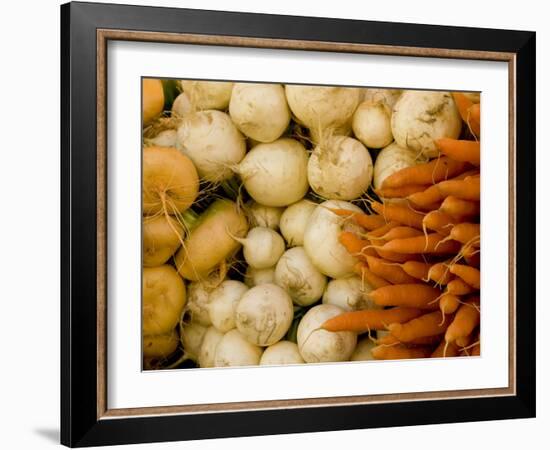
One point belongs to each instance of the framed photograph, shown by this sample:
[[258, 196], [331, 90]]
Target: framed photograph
[[272, 224]]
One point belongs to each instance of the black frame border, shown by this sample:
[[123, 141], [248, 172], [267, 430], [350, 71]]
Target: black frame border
[[79, 423]]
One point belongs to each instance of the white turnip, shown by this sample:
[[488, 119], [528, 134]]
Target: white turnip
[[207, 351], [391, 159], [299, 277], [211, 140], [207, 94], [321, 239], [223, 303], [340, 168], [421, 117], [280, 354], [372, 124], [323, 108], [192, 335], [262, 247], [254, 277], [234, 350], [260, 111], [198, 299], [263, 216], [275, 174], [264, 314], [348, 293], [318, 345], [293, 221]]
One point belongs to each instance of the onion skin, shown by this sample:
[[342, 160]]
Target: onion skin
[[152, 99]]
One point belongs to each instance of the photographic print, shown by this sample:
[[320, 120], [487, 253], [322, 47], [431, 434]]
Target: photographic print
[[290, 224]]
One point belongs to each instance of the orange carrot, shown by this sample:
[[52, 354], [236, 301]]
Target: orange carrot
[[458, 287], [372, 280], [370, 319], [448, 303], [433, 243], [354, 245], [400, 192], [426, 198], [432, 196], [394, 256], [445, 350], [468, 111], [439, 273], [439, 221], [400, 352], [475, 123], [466, 233], [467, 189], [429, 173], [401, 233], [368, 221], [463, 341], [416, 269], [380, 231], [394, 274], [469, 274], [458, 208], [390, 339], [427, 325], [476, 349], [459, 150], [464, 322], [411, 295], [399, 213]]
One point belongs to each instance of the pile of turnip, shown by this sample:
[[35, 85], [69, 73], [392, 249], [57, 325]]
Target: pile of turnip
[[257, 201]]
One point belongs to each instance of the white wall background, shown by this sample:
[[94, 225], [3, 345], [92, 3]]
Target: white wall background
[[29, 263]]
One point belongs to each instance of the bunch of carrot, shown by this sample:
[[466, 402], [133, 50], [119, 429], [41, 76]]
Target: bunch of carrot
[[420, 251]]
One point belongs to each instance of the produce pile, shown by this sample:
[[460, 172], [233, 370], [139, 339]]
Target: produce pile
[[287, 224]]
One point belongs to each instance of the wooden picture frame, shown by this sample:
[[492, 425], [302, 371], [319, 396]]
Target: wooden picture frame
[[85, 416]]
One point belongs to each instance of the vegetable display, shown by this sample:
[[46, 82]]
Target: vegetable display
[[294, 224]]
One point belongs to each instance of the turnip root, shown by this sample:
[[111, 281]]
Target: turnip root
[[165, 138], [235, 350], [263, 216], [321, 239], [318, 345], [198, 299], [191, 336], [207, 351], [264, 314], [387, 96], [340, 168], [299, 277], [363, 350], [260, 111], [170, 182], [294, 221], [162, 235], [223, 303], [163, 299], [211, 240], [255, 277], [160, 346], [280, 354], [348, 293], [391, 159], [275, 174], [212, 142], [152, 99], [207, 94], [322, 108], [262, 247], [181, 106], [372, 124], [421, 117]]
